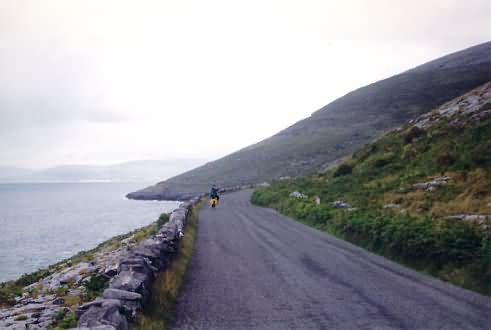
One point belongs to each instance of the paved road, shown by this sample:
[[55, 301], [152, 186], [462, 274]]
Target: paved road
[[256, 269]]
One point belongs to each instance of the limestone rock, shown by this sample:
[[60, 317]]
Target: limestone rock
[[479, 218], [297, 194], [106, 312], [431, 185], [131, 301], [132, 268], [341, 205]]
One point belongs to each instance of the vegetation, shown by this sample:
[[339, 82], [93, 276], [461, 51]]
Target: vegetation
[[395, 219], [166, 287], [341, 127], [21, 317], [9, 290], [343, 169], [96, 286], [64, 321]]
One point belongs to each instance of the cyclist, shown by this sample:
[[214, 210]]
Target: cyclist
[[214, 193]]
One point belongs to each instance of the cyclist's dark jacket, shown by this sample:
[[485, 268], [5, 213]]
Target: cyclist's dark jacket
[[214, 192]]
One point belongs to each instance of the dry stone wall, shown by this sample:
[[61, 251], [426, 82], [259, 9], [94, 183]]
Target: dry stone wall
[[129, 290]]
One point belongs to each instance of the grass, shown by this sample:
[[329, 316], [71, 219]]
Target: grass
[[160, 310], [20, 317], [95, 287], [64, 320], [417, 234], [336, 130]]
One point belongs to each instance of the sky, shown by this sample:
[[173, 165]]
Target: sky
[[102, 82]]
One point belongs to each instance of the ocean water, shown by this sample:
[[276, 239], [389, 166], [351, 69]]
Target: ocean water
[[43, 223]]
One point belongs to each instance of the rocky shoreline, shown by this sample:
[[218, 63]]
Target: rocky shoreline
[[118, 276], [161, 192], [161, 196]]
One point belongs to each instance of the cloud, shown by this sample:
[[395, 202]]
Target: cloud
[[41, 90], [117, 79]]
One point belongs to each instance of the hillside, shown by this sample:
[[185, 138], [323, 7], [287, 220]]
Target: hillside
[[421, 194], [339, 128]]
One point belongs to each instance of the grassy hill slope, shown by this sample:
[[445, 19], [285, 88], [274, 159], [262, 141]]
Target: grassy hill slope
[[421, 194], [340, 127]]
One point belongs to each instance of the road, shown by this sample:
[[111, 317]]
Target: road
[[254, 268]]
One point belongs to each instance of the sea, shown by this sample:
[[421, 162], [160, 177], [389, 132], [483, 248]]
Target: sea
[[43, 223]]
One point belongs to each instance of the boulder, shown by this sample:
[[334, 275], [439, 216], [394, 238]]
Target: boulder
[[31, 308], [137, 263], [130, 301], [297, 194], [151, 250], [111, 270], [106, 312], [392, 206], [478, 117], [478, 218], [99, 327], [431, 185], [132, 281], [121, 294], [341, 205]]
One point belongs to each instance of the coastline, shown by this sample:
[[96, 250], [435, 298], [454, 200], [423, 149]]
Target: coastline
[[52, 297]]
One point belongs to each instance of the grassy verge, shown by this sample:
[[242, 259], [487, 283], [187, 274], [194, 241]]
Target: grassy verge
[[459, 253], [9, 290], [160, 310], [391, 216]]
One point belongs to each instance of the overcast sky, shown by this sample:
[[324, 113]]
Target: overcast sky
[[100, 82]]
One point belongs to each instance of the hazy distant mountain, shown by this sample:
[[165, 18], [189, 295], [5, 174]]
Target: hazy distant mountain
[[144, 170], [340, 127], [9, 173]]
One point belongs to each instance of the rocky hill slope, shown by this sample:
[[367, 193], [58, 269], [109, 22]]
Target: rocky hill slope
[[339, 128], [421, 194]]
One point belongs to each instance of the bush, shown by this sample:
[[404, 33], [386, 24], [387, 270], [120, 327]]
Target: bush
[[61, 291], [365, 152], [383, 160], [96, 286], [343, 169], [69, 321], [264, 197], [8, 292], [28, 279], [413, 133], [436, 242], [64, 321], [445, 159], [163, 219]]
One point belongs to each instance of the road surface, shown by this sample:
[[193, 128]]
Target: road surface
[[256, 269]]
